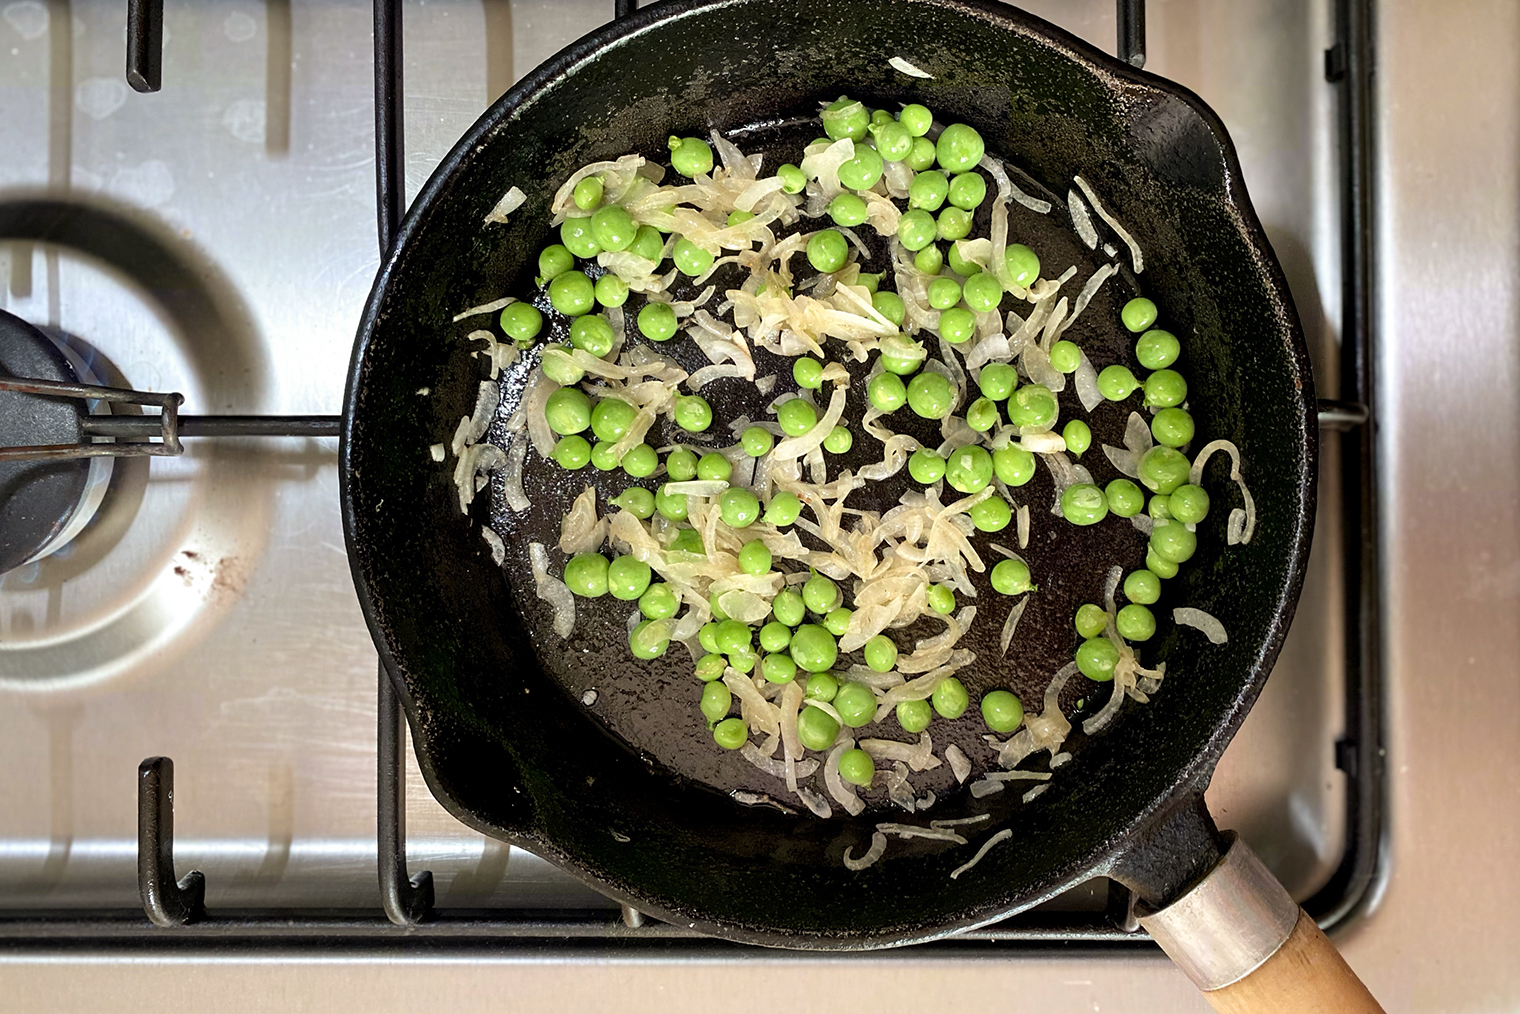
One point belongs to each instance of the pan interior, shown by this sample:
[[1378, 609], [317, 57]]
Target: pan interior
[[495, 700]]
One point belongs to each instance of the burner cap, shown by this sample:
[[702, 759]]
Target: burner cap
[[37, 498]]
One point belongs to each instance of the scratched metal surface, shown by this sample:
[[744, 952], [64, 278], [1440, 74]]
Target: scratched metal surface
[[208, 614]]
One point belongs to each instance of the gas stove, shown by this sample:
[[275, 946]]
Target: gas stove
[[216, 238]]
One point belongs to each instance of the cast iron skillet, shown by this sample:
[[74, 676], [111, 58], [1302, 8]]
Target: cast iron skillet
[[615, 793]]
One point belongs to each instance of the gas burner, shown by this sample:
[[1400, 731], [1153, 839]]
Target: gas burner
[[44, 502]]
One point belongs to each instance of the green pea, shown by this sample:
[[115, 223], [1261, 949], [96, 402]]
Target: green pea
[[733, 636], [837, 622], [944, 293], [1033, 405], [1013, 465], [690, 156], [963, 267], [941, 598], [1172, 427], [1165, 389], [983, 293], [1160, 508], [813, 648], [887, 392], [778, 669], [775, 636], [572, 452], [1173, 542], [707, 637], [681, 465], [1011, 577], [982, 415], [916, 118], [1116, 382], [736, 216], [820, 594], [688, 540], [1141, 586], [714, 467], [788, 608], [796, 416], [592, 334], [959, 148], [553, 261], [1023, 264], [930, 395], [1161, 568], [950, 698], [716, 700], [613, 228], [1189, 504], [881, 653], [914, 716], [827, 250], [739, 508], [890, 306], [926, 466], [562, 370], [587, 193], [1065, 357], [1078, 436], [1163, 469], [640, 461], [847, 210], [711, 667], [672, 506], [1082, 503], [657, 322], [1091, 620], [693, 413], [857, 767], [568, 410], [953, 223], [784, 509], [576, 236], [903, 366], [650, 639], [968, 190], [586, 574], [744, 660], [1124, 498], [998, 381], [816, 728], [610, 290], [602, 457], [572, 294], [1138, 314], [969, 469], [821, 687], [808, 373], [846, 117], [647, 243], [916, 229], [636, 500], [659, 601], [731, 733], [627, 578], [957, 325], [991, 515], [930, 260], [855, 704], [870, 280], [928, 190], [839, 440], [922, 155], [862, 171], [1002, 711], [893, 142], [1135, 623], [793, 179], [611, 418], [691, 259], [757, 441], [1157, 349], [1096, 658]]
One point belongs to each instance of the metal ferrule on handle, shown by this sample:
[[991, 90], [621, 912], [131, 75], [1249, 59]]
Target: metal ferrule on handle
[[1229, 924]]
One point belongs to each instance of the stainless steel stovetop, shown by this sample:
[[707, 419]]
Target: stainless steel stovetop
[[208, 614]]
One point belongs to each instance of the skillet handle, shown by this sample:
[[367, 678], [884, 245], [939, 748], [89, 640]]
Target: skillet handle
[[1241, 939]]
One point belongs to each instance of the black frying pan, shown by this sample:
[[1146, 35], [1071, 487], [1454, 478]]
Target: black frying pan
[[616, 793]]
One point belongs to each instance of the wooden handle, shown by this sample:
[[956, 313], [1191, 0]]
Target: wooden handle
[[1307, 975]]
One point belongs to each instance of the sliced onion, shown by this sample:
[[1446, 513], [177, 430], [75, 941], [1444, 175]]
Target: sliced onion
[[1001, 836], [1085, 379], [915, 831], [512, 488], [1113, 223], [1012, 623], [579, 529], [1123, 459], [1187, 616], [474, 426], [960, 766], [1089, 290], [498, 548], [1080, 220], [1022, 520], [552, 590], [1239, 531], [1137, 435], [697, 487], [898, 63], [843, 794], [878, 846]]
